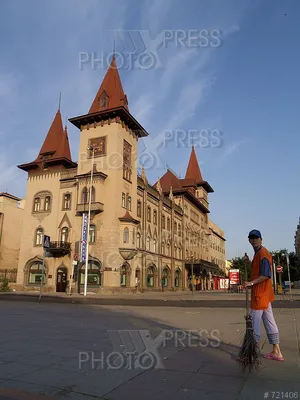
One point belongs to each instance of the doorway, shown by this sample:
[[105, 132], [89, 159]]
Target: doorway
[[61, 279]]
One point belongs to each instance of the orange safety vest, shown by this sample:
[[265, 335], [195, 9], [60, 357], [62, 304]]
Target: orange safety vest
[[262, 293]]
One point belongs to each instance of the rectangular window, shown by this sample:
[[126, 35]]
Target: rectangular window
[[99, 144], [127, 161]]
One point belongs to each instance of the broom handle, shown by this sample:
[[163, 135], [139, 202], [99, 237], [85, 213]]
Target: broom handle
[[247, 301]]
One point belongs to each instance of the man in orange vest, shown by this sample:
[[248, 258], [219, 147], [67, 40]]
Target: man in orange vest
[[262, 295]]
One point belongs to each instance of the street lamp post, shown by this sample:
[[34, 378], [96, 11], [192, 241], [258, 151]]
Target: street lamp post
[[192, 261], [288, 267], [92, 149]]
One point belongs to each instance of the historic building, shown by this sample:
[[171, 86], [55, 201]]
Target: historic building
[[140, 236], [11, 218]]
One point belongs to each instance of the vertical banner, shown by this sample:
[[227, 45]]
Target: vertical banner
[[84, 237]]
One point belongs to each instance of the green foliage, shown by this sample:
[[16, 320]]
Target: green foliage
[[279, 257], [244, 266], [5, 286]]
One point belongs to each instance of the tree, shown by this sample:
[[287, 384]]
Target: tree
[[243, 264], [279, 257]]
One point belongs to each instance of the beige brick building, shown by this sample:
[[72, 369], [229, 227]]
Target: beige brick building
[[217, 246], [11, 219], [141, 236]]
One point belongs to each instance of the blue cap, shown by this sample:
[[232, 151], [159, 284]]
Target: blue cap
[[254, 232]]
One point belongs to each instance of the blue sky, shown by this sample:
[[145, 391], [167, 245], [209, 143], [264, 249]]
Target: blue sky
[[247, 88]]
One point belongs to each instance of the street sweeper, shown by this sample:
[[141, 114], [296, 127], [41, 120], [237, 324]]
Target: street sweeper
[[262, 295]]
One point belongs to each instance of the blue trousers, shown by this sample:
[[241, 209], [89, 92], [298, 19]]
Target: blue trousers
[[269, 323]]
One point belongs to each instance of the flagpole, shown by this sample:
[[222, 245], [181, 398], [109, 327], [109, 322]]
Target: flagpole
[[88, 227]]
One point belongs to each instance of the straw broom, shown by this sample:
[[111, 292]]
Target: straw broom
[[249, 354]]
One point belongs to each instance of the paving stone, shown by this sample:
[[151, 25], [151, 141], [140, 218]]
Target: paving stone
[[224, 384], [192, 394], [32, 390], [152, 385], [223, 369], [14, 370], [185, 360], [91, 382]]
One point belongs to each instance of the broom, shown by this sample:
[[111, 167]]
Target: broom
[[249, 354]]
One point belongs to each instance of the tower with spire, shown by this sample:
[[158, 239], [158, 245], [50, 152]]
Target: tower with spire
[[112, 133]]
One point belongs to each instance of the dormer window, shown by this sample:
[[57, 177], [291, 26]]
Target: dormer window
[[103, 100]]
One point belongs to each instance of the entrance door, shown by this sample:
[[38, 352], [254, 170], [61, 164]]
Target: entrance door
[[61, 280]]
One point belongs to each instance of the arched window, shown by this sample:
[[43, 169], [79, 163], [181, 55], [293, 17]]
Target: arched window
[[179, 252], [35, 273], [154, 245], [175, 227], [39, 236], [163, 248], [67, 201], [64, 234], [168, 224], [94, 274], [148, 214], [93, 195], [103, 101], [163, 222], [37, 204], [155, 217], [123, 200], [148, 243], [47, 204], [129, 203], [125, 275], [150, 276], [165, 277], [126, 235], [177, 278], [168, 248], [138, 240], [139, 208], [92, 236], [84, 196]]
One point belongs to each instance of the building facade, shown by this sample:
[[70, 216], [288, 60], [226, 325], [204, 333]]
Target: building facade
[[11, 219], [139, 236], [217, 246]]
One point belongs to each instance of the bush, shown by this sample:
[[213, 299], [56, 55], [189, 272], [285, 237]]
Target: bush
[[5, 286]]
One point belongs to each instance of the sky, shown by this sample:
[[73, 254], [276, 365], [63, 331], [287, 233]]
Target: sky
[[222, 75]]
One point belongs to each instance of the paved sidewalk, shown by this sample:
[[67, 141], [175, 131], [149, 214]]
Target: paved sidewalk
[[166, 299], [42, 345]]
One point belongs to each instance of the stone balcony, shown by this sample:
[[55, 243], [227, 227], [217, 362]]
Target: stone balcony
[[96, 207], [59, 248]]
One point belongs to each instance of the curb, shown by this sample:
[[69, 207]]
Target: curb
[[142, 302]]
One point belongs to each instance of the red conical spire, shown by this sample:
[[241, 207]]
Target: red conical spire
[[54, 135], [64, 148], [193, 169], [111, 93], [55, 149]]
